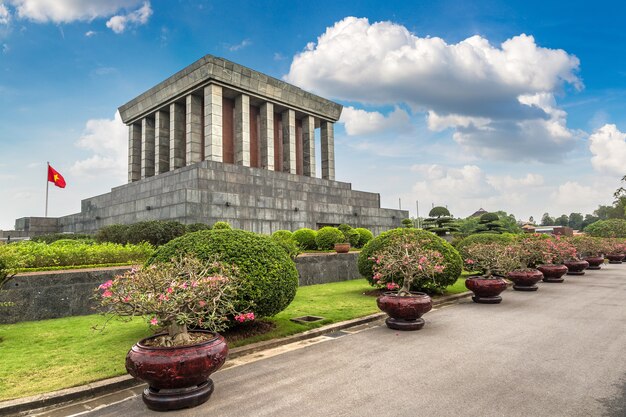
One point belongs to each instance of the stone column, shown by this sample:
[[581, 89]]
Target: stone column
[[194, 131], [177, 136], [289, 141], [328, 150], [147, 147], [267, 136], [213, 123], [134, 152], [162, 141], [308, 145], [242, 130]]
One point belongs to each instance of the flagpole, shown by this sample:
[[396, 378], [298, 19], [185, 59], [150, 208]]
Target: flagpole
[[47, 185]]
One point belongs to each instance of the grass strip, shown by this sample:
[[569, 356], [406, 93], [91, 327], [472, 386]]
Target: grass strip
[[48, 355]]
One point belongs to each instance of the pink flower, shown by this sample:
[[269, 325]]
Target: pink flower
[[163, 297], [201, 303], [127, 298], [154, 321], [107, 294], [183, 285], [377, 276], [392, 286], [170, 290], [244, 317], [106, 285], [194, 284], [469, 262]]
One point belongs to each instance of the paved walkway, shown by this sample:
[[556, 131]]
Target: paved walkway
[[558, 352]]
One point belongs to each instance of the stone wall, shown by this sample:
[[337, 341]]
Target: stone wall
[[252, 199], [54, 294]]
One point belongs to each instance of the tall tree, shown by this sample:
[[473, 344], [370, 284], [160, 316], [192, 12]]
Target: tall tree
[[562, 220], [546, 220], [575, 221]]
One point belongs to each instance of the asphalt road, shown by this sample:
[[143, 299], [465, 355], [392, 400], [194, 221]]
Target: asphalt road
[[558, 352]]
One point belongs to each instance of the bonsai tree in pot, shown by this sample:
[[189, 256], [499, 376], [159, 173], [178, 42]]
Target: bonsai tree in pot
[[494, 260], [525, 277], [615, 250], [176, 296], [554, 252], [408, 259]]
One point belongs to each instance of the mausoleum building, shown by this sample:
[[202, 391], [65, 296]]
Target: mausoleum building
[[221, 142]]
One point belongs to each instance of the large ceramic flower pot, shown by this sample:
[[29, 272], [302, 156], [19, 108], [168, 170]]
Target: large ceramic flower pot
[[342, 247], [178, 377], [405, 312], [525, 279], [615, 258], [553, 273], [595, 261], [486, 290], [576, 267]]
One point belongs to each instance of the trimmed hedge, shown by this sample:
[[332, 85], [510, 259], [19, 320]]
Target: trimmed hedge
[[195, 227], [282, 234], [287, 243], [305, 238], [270, 277], [53, 237], [155, 232], [483, 238], [607, 228], [114, 233], [364, 236], [327, 236], [352, 236], [222, 226], [453, 261]]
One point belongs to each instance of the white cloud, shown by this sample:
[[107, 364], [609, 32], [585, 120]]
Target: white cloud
[[573, 197], [500, 99], [108, 140], [361, 122], [240, 45], [66, 11], [442, 184], [5, 15], [608, 146], [90, 33], [120, 23]]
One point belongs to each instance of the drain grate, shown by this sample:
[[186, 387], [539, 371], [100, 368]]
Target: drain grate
[[306, 319]]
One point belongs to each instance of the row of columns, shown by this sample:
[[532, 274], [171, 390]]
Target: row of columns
[[184, 134]]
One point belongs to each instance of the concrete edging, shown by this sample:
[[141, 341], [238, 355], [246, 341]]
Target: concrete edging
[[21, 405]]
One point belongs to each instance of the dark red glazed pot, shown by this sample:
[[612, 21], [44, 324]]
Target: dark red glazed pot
[[405, 312], [576, 267], [552, 272], [615, 258], [178, 377], [595, 261], [486, 290], [525, 279], [342, 247]]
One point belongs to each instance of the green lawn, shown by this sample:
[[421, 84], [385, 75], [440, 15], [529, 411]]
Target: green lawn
[[47, 355]]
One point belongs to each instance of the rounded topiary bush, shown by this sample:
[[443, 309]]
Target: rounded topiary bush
[[305, 238], [327, 236], [352, 237], [483, 238], [155, 232], [222, 226], [364, 236], [282, 234], [344, 227], [194, 227], [270, 277], [114, 233], [607, 228], [452, 259]]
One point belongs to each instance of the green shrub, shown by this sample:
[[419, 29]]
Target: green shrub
[[483, 238], [155, 232], [53, 237], [222, 226], [407, 223], [453, 261], [194, 227], [327, 236], [364, 236], [270, 277], [114, 233], [352, 237], [288, 244], [71, 242], [344, 227], [305, 238], [607, 228], [282, 234], [40, 255]]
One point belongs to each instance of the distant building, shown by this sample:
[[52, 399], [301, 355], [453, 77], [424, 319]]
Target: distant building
[[479, 213], [550, 230]]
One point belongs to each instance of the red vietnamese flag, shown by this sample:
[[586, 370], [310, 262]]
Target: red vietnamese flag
[[55, 177]]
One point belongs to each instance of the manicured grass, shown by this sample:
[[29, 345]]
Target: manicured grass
[[47, 355]]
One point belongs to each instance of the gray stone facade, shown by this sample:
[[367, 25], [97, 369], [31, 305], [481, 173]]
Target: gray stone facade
[[252, 199]]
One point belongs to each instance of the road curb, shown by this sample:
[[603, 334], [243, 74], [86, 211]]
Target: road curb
[[22, 405]]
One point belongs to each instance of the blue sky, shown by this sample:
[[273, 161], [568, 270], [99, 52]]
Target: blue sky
[[518, 106]]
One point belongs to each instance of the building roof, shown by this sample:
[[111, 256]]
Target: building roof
[[479, 212], [211, 69]]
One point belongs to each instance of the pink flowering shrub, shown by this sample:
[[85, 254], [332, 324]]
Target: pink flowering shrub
[[614, 246], [407, 258], [175, 295], [493, 258]]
